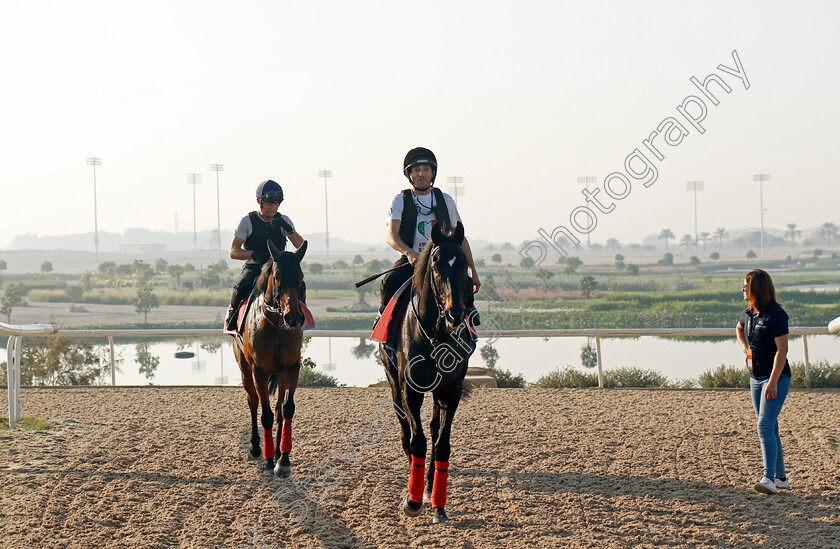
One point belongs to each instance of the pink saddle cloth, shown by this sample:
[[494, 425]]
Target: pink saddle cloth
[[308, 321]]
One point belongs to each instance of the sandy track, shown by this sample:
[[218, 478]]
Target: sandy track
[[167, 467]]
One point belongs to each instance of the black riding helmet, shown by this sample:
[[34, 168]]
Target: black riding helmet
[[418, 156], [270, 191]]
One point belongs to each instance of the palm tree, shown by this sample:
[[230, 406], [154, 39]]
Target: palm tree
[[829, 232], [792, 232], [666, 234], [687, 240], [704, 237], [721, 234]]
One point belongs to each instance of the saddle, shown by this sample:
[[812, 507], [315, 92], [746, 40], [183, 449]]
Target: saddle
[[387, 326], [308, 321]]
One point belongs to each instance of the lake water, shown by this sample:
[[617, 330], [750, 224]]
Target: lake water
[[532, 357]]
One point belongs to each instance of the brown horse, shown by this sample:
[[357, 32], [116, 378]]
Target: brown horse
[[430, 356], [268, 353]]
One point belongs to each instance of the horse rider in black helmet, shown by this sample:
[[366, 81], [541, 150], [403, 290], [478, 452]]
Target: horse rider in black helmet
[[412, 214], [250, 242]]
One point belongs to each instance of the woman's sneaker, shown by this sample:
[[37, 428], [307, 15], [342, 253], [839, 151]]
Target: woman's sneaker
[[781, 483], [766, 486]]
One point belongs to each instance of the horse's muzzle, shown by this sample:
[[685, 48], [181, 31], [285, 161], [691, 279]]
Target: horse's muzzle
[[293, 319], [455, 316]]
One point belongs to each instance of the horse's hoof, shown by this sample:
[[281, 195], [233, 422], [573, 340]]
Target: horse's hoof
[[254, 452], [411, 508], [282, 471], [439, 515], [269, 471], [427, 498]]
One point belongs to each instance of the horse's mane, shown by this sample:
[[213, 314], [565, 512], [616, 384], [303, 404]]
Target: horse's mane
[[421, 266], [262, 281]]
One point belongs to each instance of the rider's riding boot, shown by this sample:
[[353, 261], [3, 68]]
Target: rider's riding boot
[[472, 314], [230, 319]]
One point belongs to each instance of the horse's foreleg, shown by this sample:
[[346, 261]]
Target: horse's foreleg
[[267, 420], [413, 503], [442, 450], [434, 430], [284, 438]]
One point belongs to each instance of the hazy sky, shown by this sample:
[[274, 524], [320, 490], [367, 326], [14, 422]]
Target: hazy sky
[[517, 98]]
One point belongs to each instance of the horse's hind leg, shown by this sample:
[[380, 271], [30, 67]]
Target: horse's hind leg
[[449, 399], [284, 436], [253, 400], [396, 396]]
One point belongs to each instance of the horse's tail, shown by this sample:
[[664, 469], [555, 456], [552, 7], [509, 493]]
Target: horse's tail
[[272, 383], [466, 390]]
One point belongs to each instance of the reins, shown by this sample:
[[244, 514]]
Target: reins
[[438, 303]]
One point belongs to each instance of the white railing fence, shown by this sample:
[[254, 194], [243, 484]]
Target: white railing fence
[[17, 332]]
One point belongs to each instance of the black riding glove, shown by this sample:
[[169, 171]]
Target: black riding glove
[[260, 257], [278, 223]]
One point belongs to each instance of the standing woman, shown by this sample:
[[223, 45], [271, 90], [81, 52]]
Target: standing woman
[[762, 332]]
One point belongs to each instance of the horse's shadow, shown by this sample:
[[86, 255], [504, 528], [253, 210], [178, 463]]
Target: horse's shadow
[[733, 504]]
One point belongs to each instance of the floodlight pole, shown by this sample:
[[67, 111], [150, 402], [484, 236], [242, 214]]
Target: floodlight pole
[[694, 186], [218, 168], [326, 174], [586, 180], [94, 161], [194, 179], [761, 178], [455, 187]]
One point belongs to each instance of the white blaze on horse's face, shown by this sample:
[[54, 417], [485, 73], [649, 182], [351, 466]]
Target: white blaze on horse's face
[[451, 261]]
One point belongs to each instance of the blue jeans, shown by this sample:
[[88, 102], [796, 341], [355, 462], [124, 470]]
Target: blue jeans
[[767, 412]]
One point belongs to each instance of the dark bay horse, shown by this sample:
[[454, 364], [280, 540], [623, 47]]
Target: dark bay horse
[[432, 352], [268, 353]]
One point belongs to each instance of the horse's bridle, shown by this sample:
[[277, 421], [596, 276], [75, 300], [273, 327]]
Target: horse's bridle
[[268, 309], [438, 302]]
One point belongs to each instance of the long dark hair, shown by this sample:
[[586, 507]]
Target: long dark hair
[[762, 293]]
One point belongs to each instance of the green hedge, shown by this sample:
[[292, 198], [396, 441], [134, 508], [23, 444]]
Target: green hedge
[[620, 377]]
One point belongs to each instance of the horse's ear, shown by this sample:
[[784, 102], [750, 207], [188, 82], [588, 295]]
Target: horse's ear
[[437, 234], [301, 251], [274, 251], [458, 235]]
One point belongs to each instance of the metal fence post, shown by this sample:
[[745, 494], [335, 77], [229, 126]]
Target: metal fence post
[[598, 354], [17, 378], [807, 364], [10, 379], [113, 374]]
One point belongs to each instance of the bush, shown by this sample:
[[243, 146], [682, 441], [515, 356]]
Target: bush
[[310, 377], [634, 377], [725, 376], [506, 380], [823, 375], [620, 377], [568, 377]]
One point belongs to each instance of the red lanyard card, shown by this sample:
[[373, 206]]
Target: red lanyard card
[[749, 360]]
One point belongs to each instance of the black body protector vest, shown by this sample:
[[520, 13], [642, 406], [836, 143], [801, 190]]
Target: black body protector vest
[[408, 223], [261, 233]]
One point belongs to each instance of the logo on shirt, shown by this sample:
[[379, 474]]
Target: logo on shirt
[[423, 226]]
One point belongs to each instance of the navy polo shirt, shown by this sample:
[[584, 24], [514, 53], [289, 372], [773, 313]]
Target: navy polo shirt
[[761, 329]]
